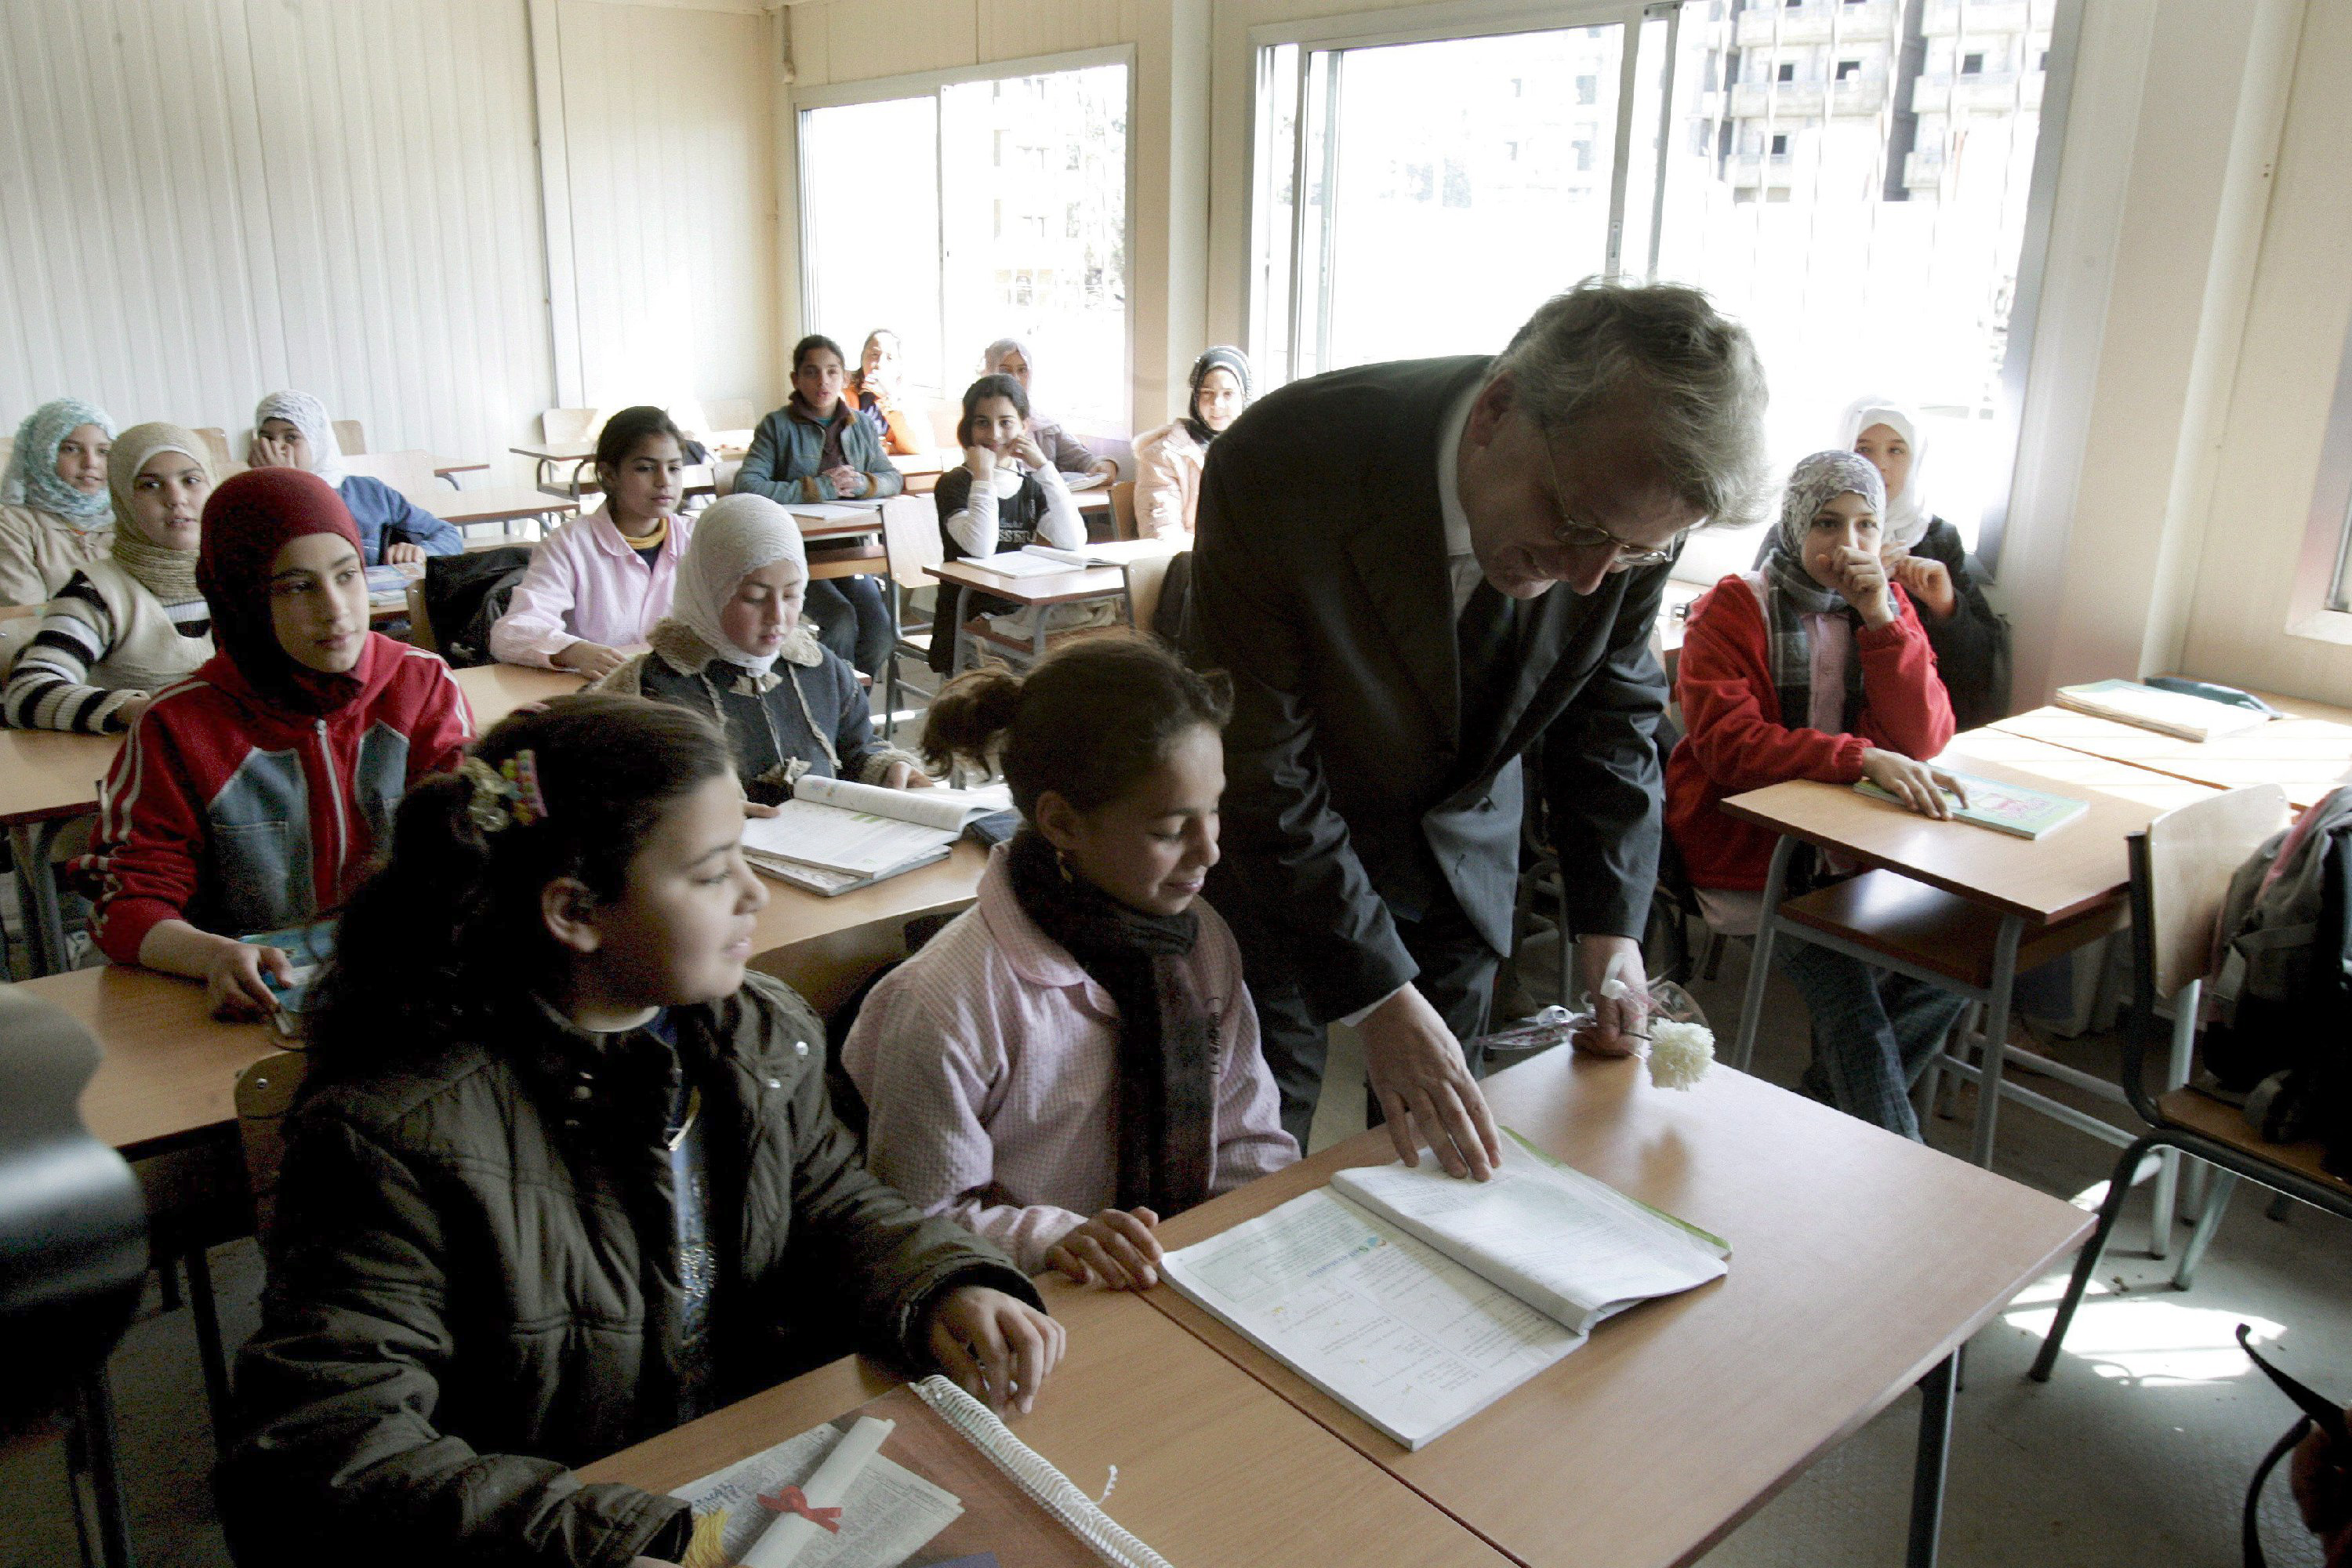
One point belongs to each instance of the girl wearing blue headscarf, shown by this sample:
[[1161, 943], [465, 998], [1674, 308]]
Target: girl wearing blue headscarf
[[55, 511]]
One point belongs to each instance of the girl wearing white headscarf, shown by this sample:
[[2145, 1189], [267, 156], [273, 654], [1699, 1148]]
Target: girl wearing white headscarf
[[291, 431], [54, 509], [734, 646], [1011, 356], [1815, 666], [131, 622], [1925, 554]]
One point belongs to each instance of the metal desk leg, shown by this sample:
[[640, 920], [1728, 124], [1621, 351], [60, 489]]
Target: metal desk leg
[[961, 644], [1927, 1472], [1996, 1039], [96, 1403], [2168, 1176], [1036, 634], [37, 889], [1760, 965]]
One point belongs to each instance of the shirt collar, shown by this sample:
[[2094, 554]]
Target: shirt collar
[[1449, 487]]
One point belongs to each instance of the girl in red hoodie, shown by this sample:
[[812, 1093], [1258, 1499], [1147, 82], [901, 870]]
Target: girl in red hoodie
[[253, 795], [1815, 666]]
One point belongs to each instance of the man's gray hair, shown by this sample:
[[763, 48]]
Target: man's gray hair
[[1661, 354]]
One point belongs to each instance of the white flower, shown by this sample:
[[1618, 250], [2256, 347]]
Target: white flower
[[1680, 1053]]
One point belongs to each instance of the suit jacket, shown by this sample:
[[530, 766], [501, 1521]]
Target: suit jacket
[[1320, 583]]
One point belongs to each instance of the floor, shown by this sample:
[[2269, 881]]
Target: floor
[[2136, 1452]]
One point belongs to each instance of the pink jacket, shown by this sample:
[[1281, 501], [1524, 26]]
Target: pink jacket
[[585, 585], [990, 1066], [1167, 481]]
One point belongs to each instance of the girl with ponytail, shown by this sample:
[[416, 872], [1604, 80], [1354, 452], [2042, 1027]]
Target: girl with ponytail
[[565, 1175], [1074, 1057]]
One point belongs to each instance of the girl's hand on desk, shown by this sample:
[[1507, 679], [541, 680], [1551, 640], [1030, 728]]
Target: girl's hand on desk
[[1861, 581], [233, 980], [128, 714], [592, 660], [998, 1347], [1115, 1248], [901, 775], [753, 808], [1913, 783], [394, 554], [848, 483], [1929, 583]]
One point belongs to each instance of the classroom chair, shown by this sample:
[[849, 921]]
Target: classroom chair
[[265, 1092], [73, 1256], [911, 539], [217, 447], [2180, 870], [351, 437], [1122, 519], [568, 424], [410, 472]]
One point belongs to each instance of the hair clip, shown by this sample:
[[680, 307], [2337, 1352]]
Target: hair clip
[[504, 796], [521, 771]]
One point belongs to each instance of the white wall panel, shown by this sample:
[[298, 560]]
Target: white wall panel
[[670, 143], [200, 203]]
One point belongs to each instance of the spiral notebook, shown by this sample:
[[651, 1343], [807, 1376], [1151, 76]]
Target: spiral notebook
[[950, 1477]]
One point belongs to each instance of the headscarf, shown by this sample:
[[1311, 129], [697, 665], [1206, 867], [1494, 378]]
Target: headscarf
[[735, 535], [32, 479], [309, 415], [169, 575], [994, 355], [1814, 669], [1225, 357], [1904, 519], [246, 522]]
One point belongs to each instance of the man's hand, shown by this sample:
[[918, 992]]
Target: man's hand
[[1115, 1249], [1618, 1021], [1425, 1088], [998, 1346], [1929, 583]]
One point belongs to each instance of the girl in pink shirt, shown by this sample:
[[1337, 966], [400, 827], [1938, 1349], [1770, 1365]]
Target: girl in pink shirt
[[1076, 1056]]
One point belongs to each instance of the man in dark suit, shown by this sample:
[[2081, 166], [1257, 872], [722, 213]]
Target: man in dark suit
[[1374, 551]]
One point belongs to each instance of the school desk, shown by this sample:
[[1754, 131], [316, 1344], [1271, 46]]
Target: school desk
[[450, 468], [466, 508], [1213, 1470], [1958, 906], [1861, 1263], [1040, 592], [47, 777], [2308, 753]]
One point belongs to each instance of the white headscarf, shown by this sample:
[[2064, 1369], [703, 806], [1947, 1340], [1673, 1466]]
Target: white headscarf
[[1907, 515], [735, 535], [309, 415]]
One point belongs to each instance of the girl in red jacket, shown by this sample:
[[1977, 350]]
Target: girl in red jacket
[[1816, 666], [252, 795]]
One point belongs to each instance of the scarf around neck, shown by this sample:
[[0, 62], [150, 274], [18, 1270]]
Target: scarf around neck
[[32, 478], [1167, 1036]]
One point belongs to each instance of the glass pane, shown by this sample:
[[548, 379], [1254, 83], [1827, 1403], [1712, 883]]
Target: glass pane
[[1033, 217], [854, 284], [1460, 184], [1858, 198], [1274, 211]]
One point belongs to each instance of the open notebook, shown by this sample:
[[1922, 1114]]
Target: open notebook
[[1417, 1300], [2171, 713], [2005, 807], [835, 835], [923, 1475]]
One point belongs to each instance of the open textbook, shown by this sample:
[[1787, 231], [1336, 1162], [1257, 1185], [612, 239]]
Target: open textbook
[[2005, 807], [1417, 1300], [835, 835]]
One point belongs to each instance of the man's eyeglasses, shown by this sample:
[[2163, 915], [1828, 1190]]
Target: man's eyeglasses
[[1627, 554]]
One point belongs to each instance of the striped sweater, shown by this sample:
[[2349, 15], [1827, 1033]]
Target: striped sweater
[[105, 640]]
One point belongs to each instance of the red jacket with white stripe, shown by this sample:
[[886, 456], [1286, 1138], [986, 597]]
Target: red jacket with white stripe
[[237, 816], [1737, 738]]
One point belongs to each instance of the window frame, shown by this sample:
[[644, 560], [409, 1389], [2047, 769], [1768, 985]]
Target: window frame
[[1489, 19], [932, 84], [2319, 606]]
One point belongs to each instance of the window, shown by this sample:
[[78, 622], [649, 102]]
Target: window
[[1357, 206], [1008, 219], [1972, 64], [1889, 252], [1788, 71]]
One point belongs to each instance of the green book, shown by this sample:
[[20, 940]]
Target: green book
[[2002, 806]]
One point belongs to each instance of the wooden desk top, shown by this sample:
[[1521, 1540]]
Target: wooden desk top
[[166, 1069], [825, 947], [1859, 1261], [463, 507], [443, 466], [495, 691], [1213, 1470], [2071, 772], [2308, 753], [50, 772], [2066, 873], [1045, 588]]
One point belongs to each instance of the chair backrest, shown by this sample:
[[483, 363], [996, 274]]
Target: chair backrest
[[351, 436], [911, 539], [411, 470], [265, 1092], [2190, 854], [730, 413], [945, 414], [567, 425], [217, 445], [1122, 509], [73, 1226]]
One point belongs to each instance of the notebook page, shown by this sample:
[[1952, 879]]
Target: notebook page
[[944, 809], [841, 840], [1575, 1248], [1387, 1325]]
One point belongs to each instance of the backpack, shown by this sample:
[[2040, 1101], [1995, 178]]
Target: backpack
[[2285, 938], [466, 594]]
